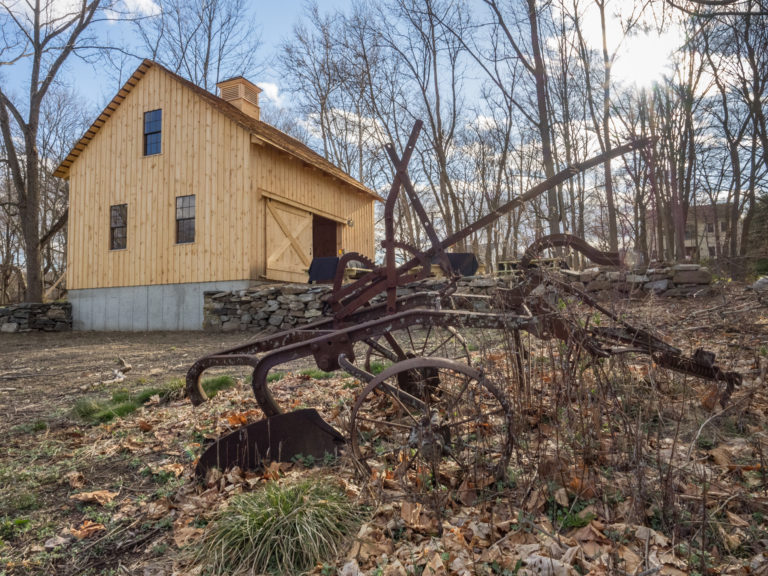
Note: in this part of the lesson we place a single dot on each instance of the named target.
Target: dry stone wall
(679, 280)
(55, 317)
(274, 307)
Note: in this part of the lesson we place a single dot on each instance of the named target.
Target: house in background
(174, 191)
(706, 232)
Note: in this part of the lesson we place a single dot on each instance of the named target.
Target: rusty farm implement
(432, 419)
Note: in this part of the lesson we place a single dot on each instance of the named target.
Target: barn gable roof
(262, 131)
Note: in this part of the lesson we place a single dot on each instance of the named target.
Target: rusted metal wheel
(425, 341)
(453, 437)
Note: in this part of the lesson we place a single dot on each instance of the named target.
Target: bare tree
(41, 36)
(205, 41)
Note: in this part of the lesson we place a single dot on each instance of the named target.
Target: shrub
(282, 529)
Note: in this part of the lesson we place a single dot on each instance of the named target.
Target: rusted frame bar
(356, 294)
(372, 329)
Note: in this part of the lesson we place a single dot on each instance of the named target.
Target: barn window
(153, 122)
(185, 219)
(118, 227)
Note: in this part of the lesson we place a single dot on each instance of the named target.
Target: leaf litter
(693, 500)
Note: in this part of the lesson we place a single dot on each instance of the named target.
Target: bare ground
(41, 372)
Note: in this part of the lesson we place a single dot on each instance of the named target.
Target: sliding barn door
(288, 242)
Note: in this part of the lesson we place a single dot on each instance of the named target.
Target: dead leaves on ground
(100, 497)
(473, 536)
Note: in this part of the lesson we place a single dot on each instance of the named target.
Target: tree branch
(55, 227)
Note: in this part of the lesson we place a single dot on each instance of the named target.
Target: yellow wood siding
(204, 153)
(280, 175)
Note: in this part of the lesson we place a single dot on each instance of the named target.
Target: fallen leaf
(87, 529)
(56, 542)
(632, 561)
(581, 488)
(101, 497)
(467, 492)
(186, 534)
(737, 520)
(172, 468)
(272, 471)
(420, 520)
(145, 426)
(709, 398)
(75, 479)
(721, 456)
(543, 566)
(158, 509)
(436, 566)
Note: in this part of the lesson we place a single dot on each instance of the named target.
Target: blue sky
(637, 63)
(272, 20)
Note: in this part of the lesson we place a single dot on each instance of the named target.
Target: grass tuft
(379, 367)
(214, 385)
(282, 529)
(124, 402)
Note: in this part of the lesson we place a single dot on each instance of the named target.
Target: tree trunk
(613, 234)
(540, 77)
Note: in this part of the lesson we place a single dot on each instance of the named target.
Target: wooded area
(510, 93)
(548, 100)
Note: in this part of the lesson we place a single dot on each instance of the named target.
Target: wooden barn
(174, 191)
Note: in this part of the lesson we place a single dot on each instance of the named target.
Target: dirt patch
(41, 374)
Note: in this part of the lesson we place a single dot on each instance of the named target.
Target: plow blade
(280, 438)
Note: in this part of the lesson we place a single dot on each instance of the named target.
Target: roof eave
(63, 169)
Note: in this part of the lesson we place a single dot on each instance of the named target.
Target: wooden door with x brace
(288, 242)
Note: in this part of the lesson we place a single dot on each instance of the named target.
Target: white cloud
(133, 8)
(55, 10)
(643, 55)
(644, 58)
(485, 122)
(142, 7)
(272, 92)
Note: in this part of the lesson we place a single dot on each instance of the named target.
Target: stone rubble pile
(54, 317)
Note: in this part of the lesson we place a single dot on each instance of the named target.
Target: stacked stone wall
(55, 317)
(274, 307)
(679, 280)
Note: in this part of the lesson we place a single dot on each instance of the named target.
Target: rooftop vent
(242, 94)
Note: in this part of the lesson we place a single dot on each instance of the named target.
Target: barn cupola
(242, 94)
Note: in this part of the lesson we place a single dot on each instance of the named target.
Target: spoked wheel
(454, 439)
(413, 341)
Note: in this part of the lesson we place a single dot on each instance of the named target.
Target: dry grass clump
(282, 529)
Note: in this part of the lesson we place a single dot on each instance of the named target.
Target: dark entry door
(324, 237)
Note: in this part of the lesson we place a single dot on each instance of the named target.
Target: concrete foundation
(144, 308)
